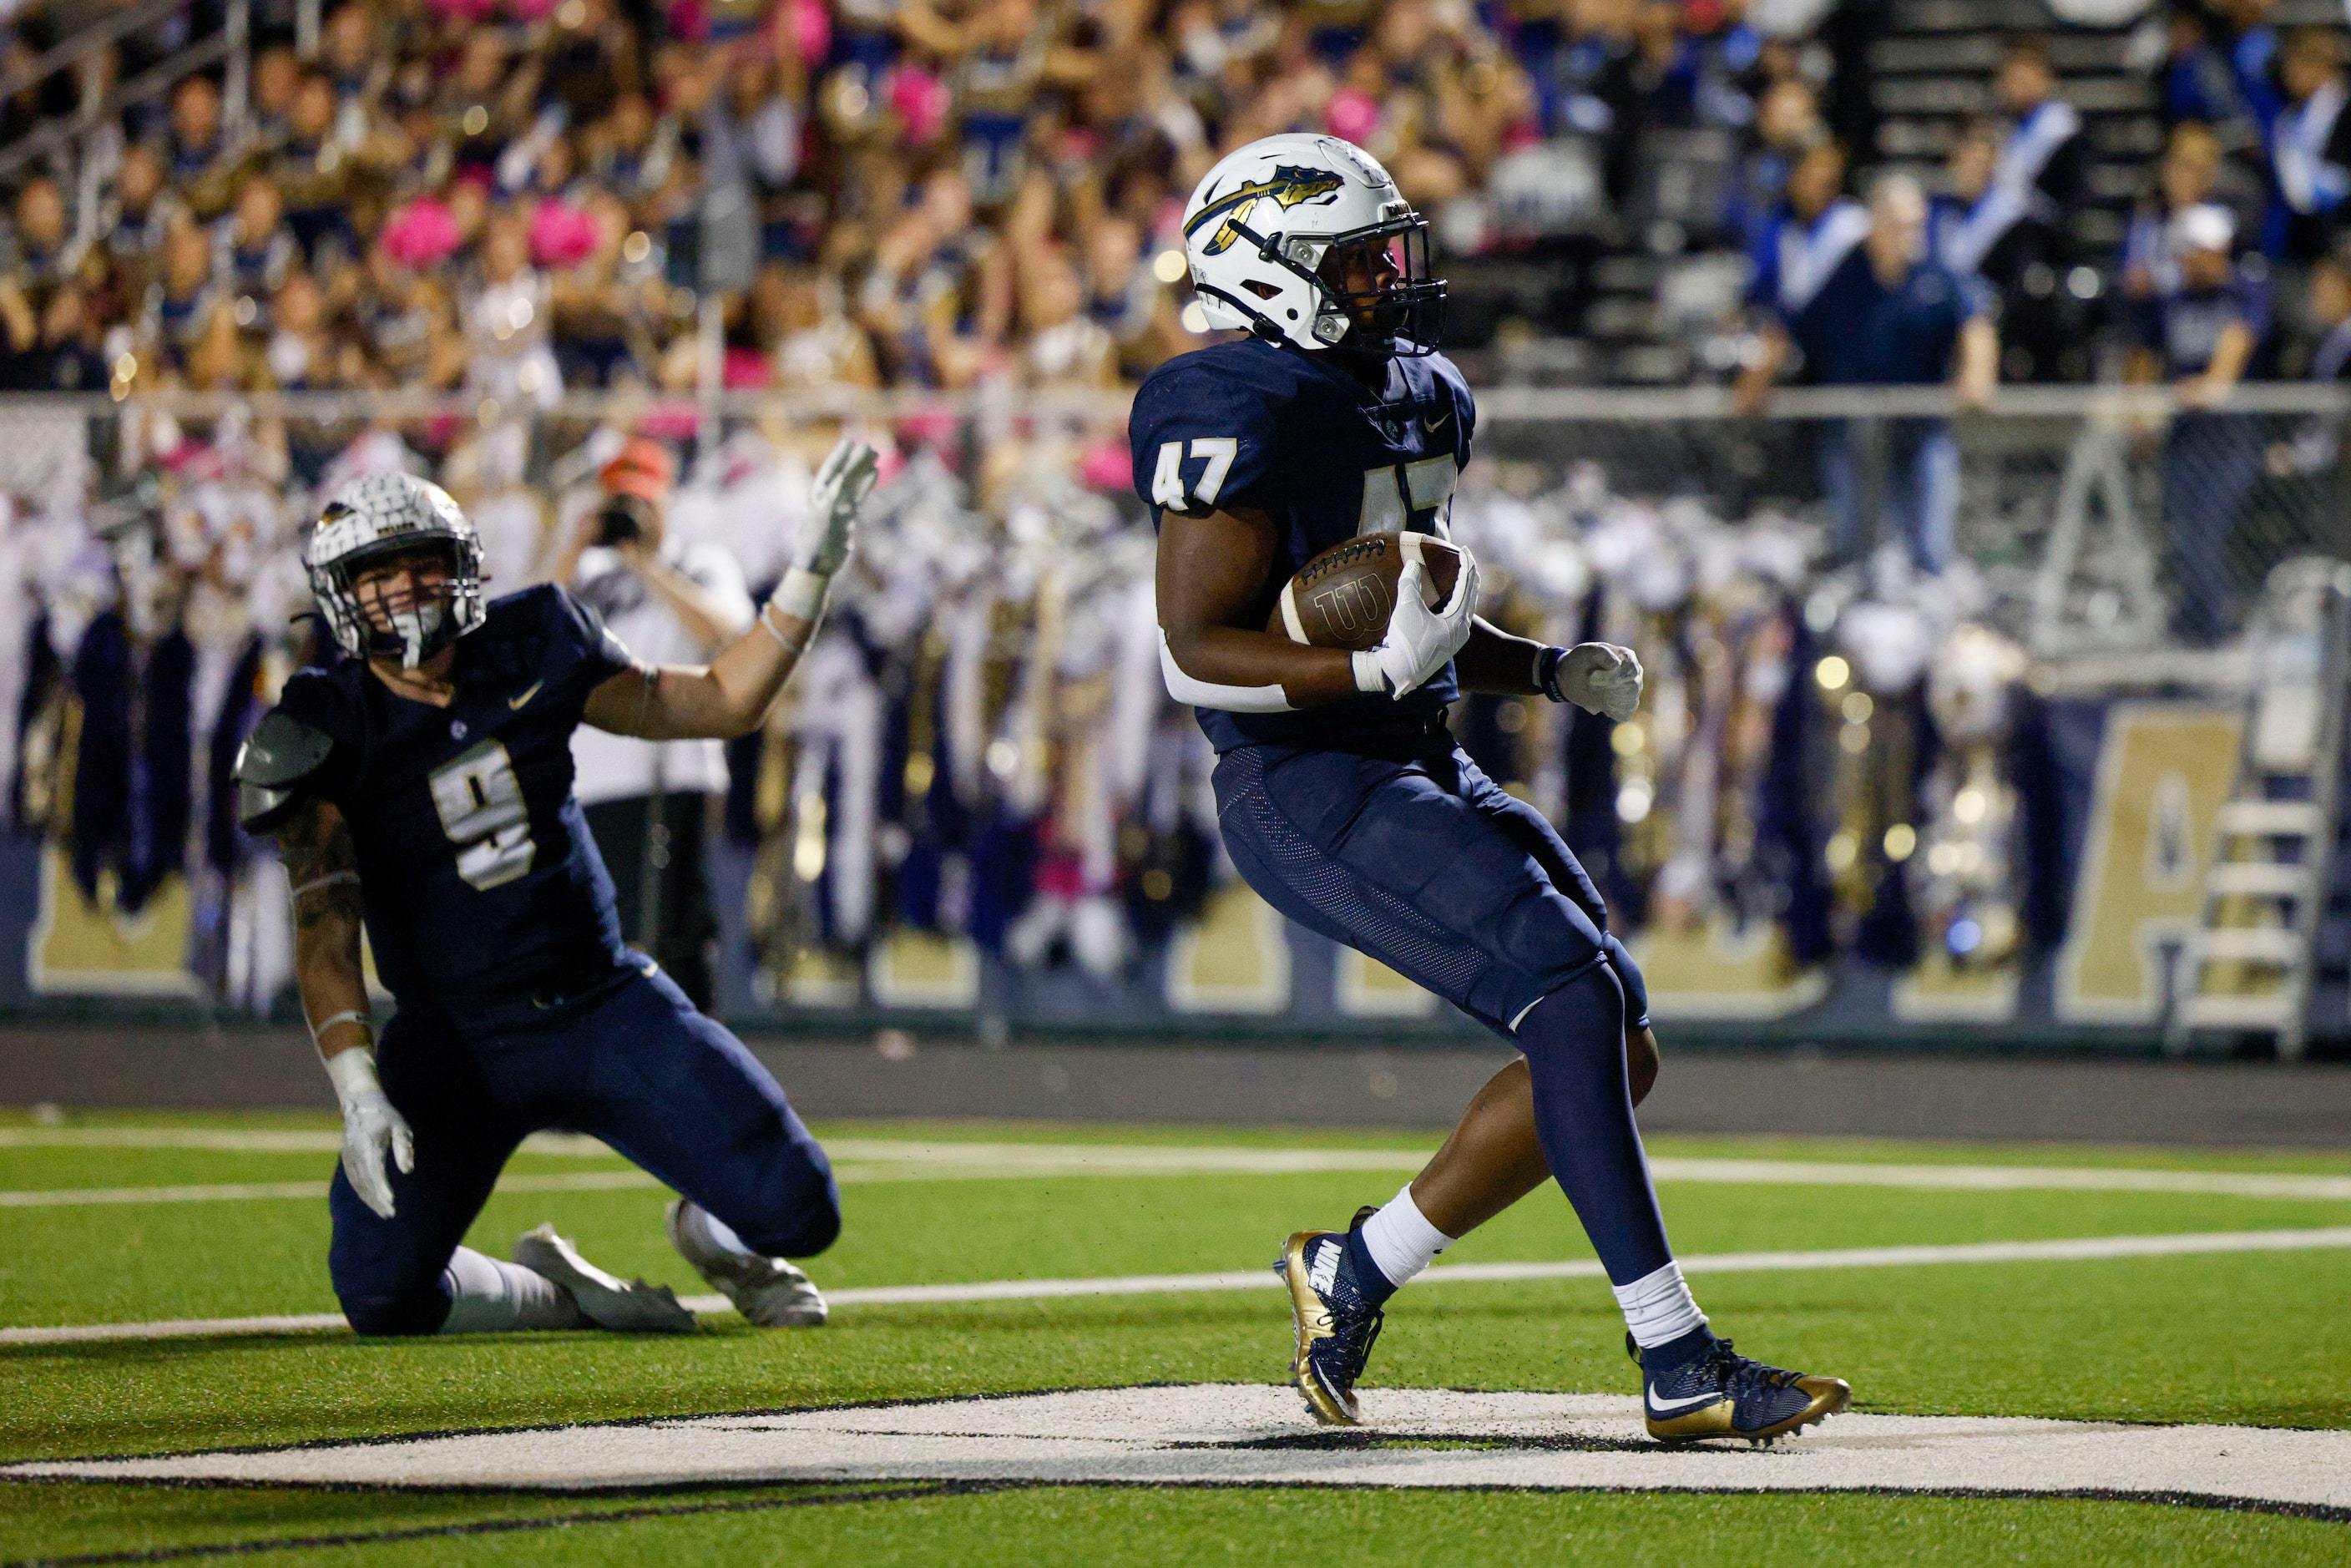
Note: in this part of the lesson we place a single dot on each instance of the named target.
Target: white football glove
(843, 482)
(1602, 678)
(1420, 641)
(370, 1128)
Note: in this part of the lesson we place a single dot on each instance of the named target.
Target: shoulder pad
(280, 753)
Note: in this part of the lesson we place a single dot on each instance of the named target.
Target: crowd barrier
(1865, 795)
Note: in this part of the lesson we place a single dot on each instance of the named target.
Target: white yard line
(863, 1160)
(2073, 1249)
(244, 1140)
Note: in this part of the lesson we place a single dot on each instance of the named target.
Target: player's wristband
(1367, 673)
(802, 593)
(1547, 664)
(353, 1073)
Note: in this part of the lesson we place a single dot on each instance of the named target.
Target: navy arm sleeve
(1202, 442)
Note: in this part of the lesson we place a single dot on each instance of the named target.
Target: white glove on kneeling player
(1598, 678)
(843, 482)
(1420, 641)
(370, 1127)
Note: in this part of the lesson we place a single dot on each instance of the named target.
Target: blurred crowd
(511, 200)
(513, 197)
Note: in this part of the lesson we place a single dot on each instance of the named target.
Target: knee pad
(1628, 975)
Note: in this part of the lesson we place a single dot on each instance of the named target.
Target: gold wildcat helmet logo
(1288, 184)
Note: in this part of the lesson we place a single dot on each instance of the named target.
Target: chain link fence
(978, 802)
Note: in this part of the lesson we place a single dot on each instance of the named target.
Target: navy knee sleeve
(1574, 1044)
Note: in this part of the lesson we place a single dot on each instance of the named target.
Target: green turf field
(229, 1228)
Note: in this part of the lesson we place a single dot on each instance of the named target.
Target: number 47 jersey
(1253, 425)
(481, 884)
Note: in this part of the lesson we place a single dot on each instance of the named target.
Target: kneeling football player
(421, 787)
(1342, 797)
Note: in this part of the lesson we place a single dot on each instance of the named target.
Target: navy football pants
(1428, 866)
(635, 1066)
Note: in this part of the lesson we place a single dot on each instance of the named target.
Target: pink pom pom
(1106, 466)
(920, 101)
(745, 370)
(422, 234)
(671, 422)
(928, 427)
(1351, 115)
(561, 235)
(810, 27)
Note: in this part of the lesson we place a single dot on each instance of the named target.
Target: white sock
(721, 1232)
(1658, 1308)
(1400, 1238)
(486, 1296)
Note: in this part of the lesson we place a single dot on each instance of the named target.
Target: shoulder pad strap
(280, 753)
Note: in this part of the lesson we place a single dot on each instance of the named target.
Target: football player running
(421, 788)
(1342, 797)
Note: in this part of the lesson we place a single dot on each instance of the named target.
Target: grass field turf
(2249, 1338)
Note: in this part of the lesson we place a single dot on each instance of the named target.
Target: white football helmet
(385, 514)
(1268, 235)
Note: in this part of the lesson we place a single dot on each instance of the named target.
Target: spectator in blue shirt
(2199, 336)
(1890, 314)
(2199, 84)
(2310, 147)
(1815, 228)
(2252, 51)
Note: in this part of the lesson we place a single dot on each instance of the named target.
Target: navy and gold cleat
(1721, 1394)
(1336, 1325)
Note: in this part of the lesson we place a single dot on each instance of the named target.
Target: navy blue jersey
(480, 881)
(1256, 426)
(1857, 332)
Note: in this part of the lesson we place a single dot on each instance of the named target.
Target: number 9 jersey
(481, 884)
(1255, 425)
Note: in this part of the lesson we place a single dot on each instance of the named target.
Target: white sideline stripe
(2073, 1250)
(241, 1191)
(244, 1140)
(862, 1160)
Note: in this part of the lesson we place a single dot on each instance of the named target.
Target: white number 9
(482, 811)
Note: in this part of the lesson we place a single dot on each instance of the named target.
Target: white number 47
(1167, 478)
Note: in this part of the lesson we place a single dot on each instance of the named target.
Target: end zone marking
(2073, 1250)
(1248, 1435)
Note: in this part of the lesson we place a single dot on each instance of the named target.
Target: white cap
(2205, 226)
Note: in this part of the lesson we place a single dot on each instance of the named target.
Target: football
(1342, 598)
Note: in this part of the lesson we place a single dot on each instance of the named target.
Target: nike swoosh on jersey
(517, 701)
(1667, 1406)
(1434, 425)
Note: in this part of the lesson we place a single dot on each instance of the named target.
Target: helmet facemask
(1381, 295)
(407, 622)
(1373, 287)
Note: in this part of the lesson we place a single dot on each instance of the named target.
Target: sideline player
(421, 787)
(1342, 797)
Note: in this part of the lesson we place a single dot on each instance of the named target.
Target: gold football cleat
(1335, 1327)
